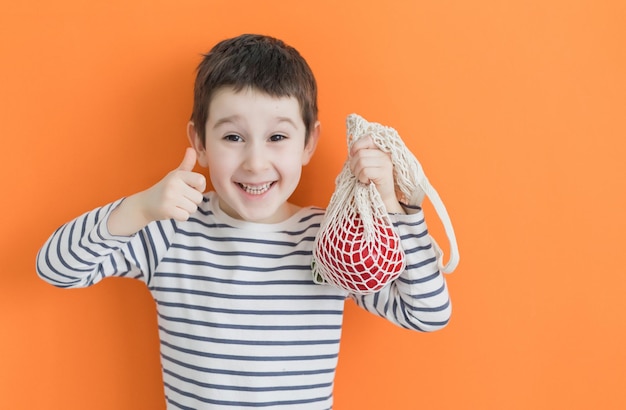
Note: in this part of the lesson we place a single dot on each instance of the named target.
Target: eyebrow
(226, 120)
(287, 120)
(233, 119)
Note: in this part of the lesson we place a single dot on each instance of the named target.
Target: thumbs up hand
(176, 196)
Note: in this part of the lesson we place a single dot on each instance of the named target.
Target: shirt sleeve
(418, 299)
(83, 252)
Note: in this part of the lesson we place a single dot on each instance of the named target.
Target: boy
(241, 322)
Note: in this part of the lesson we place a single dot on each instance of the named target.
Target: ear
(197, 144)
(311, 144)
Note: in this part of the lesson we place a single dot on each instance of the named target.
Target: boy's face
(254, 150)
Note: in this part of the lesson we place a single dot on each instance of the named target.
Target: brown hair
(256, 61)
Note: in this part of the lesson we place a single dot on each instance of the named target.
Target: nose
(256, 158)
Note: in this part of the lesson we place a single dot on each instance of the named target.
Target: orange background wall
(516, 110)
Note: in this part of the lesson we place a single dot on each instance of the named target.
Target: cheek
(219, 167)
(290, 161)
(295, 154)
(291, 171)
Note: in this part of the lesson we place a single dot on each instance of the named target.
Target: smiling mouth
(256, 189)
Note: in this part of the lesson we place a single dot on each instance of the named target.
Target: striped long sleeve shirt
(241, 322)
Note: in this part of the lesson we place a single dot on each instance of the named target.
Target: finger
(180, 214)
(365, 142)
(194, 195)
(369, 158)
(376, 169)
(368, 174)
(189, 161)
(360, 170)
(195, 180)
(187, 205)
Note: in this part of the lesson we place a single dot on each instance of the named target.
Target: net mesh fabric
(357, 248)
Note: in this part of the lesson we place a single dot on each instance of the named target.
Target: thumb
(189, 161)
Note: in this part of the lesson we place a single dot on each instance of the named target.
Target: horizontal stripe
(249, 297)
(201, 278)
(245, 342)
(252, 311)
(248, 326)
(248, 388)
(253, 374)
(183, 262)
(241, 253)
(199, 353)
(248, 404)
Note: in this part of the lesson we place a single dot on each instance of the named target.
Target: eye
(277, 137)
(232, 137)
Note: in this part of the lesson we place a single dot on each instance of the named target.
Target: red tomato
(357, 265)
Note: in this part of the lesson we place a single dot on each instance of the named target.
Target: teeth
(256, 189)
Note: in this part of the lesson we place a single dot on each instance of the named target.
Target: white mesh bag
(357, 247)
